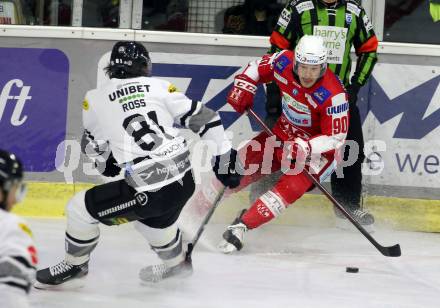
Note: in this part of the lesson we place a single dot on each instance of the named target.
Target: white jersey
(135, 119)
(17, 260)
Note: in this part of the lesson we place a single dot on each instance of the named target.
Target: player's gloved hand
(299, 150)
(228, 169)
(352, 91)
(109, 167)
(242, 94)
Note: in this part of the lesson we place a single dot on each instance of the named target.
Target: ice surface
(279, 267)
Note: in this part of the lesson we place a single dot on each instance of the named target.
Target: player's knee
(76, 208)
(288, 190)
(80, 224)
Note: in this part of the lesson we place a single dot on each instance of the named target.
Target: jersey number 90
(340, 125)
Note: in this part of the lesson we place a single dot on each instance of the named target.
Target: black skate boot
(159, 272)
(64, 274)
(233, 236)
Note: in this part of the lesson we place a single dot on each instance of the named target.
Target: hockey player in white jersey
(18, 256)
(130, 124)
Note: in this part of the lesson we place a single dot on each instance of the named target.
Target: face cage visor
(20, 192)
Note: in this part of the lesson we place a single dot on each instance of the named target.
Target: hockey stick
(205, 221)
(391, 251)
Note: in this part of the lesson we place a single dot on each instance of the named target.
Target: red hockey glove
(241, 96)
(300, 150)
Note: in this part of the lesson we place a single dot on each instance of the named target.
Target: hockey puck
(352, 269)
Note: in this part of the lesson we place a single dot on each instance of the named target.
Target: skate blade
(226, 247)
(72, 284)
(344, 224)
(147, 281)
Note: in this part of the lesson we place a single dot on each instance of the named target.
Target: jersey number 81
(142, 129)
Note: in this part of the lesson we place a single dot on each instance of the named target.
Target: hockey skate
(159, 272)
(364, 218)
(62, 275)
(233, 236)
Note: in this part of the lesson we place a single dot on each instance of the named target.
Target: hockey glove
(227, 168)
(109, 167)
(300, 150)
(242, 94)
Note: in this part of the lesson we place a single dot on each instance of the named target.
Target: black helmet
(129, 59)
(11, 172)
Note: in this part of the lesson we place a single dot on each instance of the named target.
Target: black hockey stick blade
(392, 251)
(189, 252)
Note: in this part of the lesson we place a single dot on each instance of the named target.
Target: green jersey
(342, 25)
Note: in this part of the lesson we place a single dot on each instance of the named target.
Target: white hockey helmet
(311, 50)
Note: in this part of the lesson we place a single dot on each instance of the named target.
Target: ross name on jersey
(131, 97)
(133, 103)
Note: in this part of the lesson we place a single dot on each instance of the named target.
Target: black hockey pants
(348, 190)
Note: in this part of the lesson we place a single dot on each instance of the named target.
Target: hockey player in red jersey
(312, 126)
